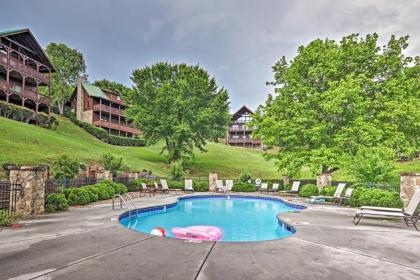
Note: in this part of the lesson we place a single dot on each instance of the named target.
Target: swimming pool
(241, 218)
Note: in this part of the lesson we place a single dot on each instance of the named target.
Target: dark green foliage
(120, 188)
(66, 192)
(113, 86)
(111, 163)
(308, 190)
(244, 187)
(78, 196)
(135, 184)
(102, 192)
(177, 170)
(173, 184)
(201, 186)
(65, 168)
(23, 114)
(328, 191)
(56, 202)
(104, 136)
(244, 178)
(108, 186)
(375, 197)
(4, 218)
(93, 195)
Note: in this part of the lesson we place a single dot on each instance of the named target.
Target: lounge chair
(144, 190)
(219, 186)
(229, 186)
(294, 190)
(165, 187)
(274, 188)
(264, 187)
(188, 185)
(336, 197)
(347, 195)
(409, 214)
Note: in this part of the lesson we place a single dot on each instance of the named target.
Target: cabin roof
(242, 111)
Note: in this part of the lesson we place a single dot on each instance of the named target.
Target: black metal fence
(56, 185)
(9, 193)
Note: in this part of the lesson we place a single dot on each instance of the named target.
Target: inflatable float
(206, 233)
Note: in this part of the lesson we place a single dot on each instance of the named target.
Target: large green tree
(179, 104)
(335, 98)
(70, 66)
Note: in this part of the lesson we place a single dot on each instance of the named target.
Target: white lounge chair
(294, 190)
(275, 187)
(165, 187)
(409, 214)
(188, 185)
(336, 197)
(219, 186)
(264, 187)
(229, 186)
(144, 190)
(347, 195)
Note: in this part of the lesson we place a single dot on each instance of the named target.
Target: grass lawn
(21, 143)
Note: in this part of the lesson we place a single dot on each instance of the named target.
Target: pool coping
(159, 207)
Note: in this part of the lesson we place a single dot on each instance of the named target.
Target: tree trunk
(61, 107)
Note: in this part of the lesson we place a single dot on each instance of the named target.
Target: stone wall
(286, 180)
(409, 182)
(86, 116)
(323, 180)
(104, 175)
(31, 200)
(212, 182)
(79, 100)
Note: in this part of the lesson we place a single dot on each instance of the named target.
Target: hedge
(79, 196)
(328, 191)
(22, 114)
(244, 187)
(56, 202)
(103, 135)
(308, 190)
(375, 197)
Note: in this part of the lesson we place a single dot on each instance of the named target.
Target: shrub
(56, 202)
(201, 186)
(375, 197)
(177, 170)
(108, 186)
(66, 192)
(4, 218)
(23, 114)
(111, 163)
(120, 188)
(104, 136)
(244, 178)
(93, 195)
(102, 192)
(172, 184)
(243, 187)
(308, 190)
(328, 191)
(79, 196)
(65, 168)
(134, 185)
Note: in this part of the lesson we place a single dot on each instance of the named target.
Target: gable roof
(25, 38)
(242, 111)
(94, 91)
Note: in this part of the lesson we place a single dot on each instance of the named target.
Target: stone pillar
(212, 182)
(104, 175)
(323, 180)
(286, 180)
(79, 99)
(31, 200)
(409, 182)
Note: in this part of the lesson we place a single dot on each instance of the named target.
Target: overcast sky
(236, 41)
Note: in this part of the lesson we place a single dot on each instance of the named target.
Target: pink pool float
(207, 233)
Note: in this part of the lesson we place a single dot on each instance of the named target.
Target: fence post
(323, 180)
(32, 180)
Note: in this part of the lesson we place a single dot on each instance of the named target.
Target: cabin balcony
(122, 127)
(108, 109)
(15, 88)
(243, 141)
(19, 66)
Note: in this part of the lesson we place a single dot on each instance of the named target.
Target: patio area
(89, 243)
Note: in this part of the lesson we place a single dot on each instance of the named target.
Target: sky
(237, 42)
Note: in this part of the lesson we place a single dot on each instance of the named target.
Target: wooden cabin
(102, 108)
(24, 69)
(239, 133)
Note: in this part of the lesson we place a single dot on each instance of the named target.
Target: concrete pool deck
(89, 243)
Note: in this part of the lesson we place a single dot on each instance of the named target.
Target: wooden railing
(243, 140)
(19, 66)
(109, 109)
(116, 126)
(27, 93)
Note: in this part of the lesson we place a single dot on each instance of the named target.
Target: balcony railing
(19, 66)
(243, 140)
(109, 109)
(116, 126)
(239, 128)
(27, 93)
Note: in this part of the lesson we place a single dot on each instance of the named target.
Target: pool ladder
(122, 200)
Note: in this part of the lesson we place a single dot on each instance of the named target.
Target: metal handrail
(122, 200)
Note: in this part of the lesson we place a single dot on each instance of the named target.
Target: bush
(308, 190)
(93, 195)
(4, 218)
(328, 191)
(375, 197)
(66, 192)
(177, 170)
(23, 114)
(172, 184)
(113, 164)
(135, 184)
(65, 168)
(243, 187)
(244, 178)
(201, 186)
(104, 136)
(56, 202)
(120, 188)
(102, 192)
(79, 196)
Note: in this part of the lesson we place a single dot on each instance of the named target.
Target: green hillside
(21, 143)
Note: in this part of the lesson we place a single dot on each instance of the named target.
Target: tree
(335, 98)
(66, 168)
(70, 66)
(179, 104)
(111, 163)
(113, 86)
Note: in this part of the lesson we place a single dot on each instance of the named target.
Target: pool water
(241, 219)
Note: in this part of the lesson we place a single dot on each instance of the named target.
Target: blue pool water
(241, 219)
